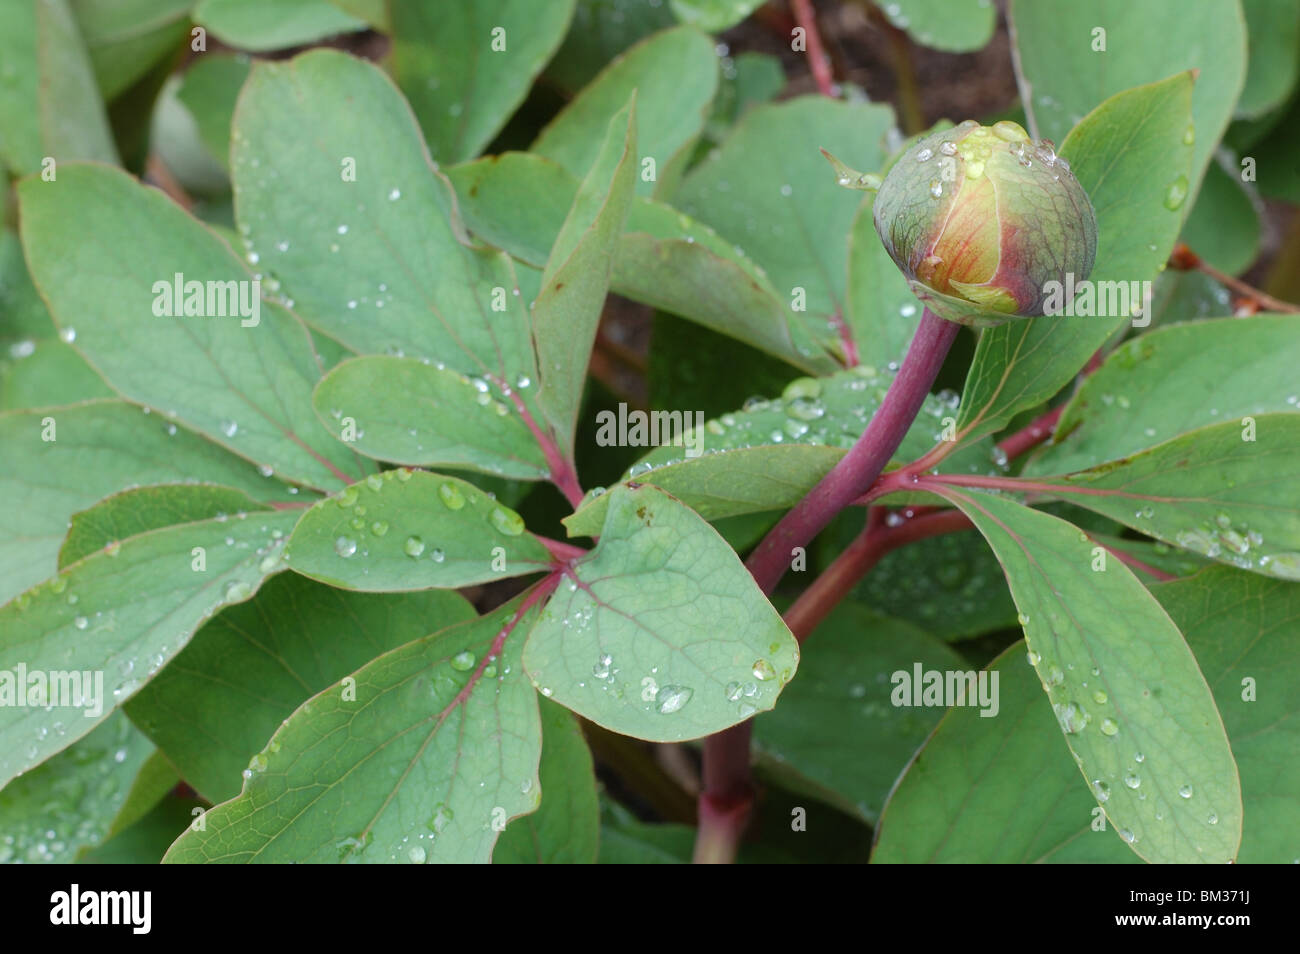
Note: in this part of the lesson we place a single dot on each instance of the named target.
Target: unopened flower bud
(980, 219)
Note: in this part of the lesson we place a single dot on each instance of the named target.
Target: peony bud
(980, 220)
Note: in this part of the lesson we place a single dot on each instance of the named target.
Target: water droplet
(463, 661)
(451, 496)
(936, 188)
(379, 527)
(507, 521)
(1132, 781)
(1213, 819)
(436, 555)
(1185, 791)
(1176, 193)
(81, 622)
(417, 854)
(1099, 697)
(1108, 727)
(68, 335)
(414, 546)
(229, 428)
(733, 692)
(237, 591)
(1101, 789)
(670, 699)
(925, 154)
(345, 547)
(763, 670)
(1127, 835)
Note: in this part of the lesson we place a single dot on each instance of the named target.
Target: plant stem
(1185, 259)
(878, 539)
(859, 468)
(1026, 439)
(806, 17)
(727, 797)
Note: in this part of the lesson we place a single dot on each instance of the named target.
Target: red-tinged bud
(981, 220)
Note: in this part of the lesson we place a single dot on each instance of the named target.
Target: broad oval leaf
(113, 619)
(100, 447)
(412, 530)
(247, 670)
(675, 75)
(660, 632)
(1127, 693)
(466, 65)
(124, 270)
(404, 761)
(408, 411)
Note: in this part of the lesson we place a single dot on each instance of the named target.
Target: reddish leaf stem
(727, 797)
(806, 17)
(1027, 438)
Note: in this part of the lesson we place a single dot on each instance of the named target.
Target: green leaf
(1243, 627)
(379, 263)
(675, 75)
(768, 456)
(1223, 227)
(518, 202)
(955, 27)
(466, 65)
(1229, 491)
(209, 90)
(100, 447)
(713, 16)
(261, 25)
(1000, 790)
(787, 211)
(1021, 364)
(23, 313)
(49, 103)
(145, 842)
(660, 632)
(409, 412)
(127, 38)
(142, 509)
(1065, 77)
(949, 585)
(881, 311)
(151, 784)
(104, 251)
(600, 31)
(1273, 38)
(626, 841)
(576, 280)
(216, 704)
(1122, 683)
(845, 681)
(68, 804)
(407, 760)
(1007, 792)
(121, 614)
(45, 373)
(412, 530)
(1152, 388)
(565, 829)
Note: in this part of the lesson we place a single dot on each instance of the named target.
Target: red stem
(859, 468)
(806, 17)
(838, 579)
(727, 796)
(1028, 438)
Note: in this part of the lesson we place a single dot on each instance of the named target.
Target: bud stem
(859, 468)
(727, 794)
